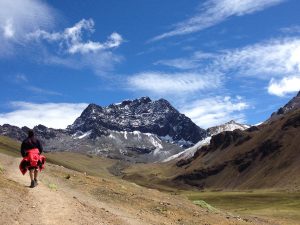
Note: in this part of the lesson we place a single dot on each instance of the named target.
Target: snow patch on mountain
(229, 126)
(189, 152)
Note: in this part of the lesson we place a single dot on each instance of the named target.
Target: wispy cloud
(213, 12)
(19, 17)
(101, 63)
(42, 91)
(71, 40)
(284, 86)
(72, 48)
(272, 59)
(21, 78)
(192, 62)
(294, 29)
(24, 30)
(55, 115)
(23, 81)
(174, 83)
(214, 111)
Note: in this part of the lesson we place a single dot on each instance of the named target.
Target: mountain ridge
(139, 130)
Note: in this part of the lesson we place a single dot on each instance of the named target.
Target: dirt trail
(91, 200)
(45, 205)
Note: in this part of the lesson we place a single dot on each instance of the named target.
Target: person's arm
(40, 147)
(23, 153)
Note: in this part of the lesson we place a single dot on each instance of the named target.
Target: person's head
(30, 133)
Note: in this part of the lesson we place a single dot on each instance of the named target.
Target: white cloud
(25, 83)
(271, 58)
(20, 78)
(73, 49)
(71, 40)
(214, 111)
(284, 86)
(180, 63)
(101, 63)
(54, 115)
(42, 91)
(213, 12)
(294, 29)
(22, 21)
(20, 17)
(188, 63)
(175, 84)
(276, 57)
(8, 30)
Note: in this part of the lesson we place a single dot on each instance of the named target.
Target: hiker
(31, 150)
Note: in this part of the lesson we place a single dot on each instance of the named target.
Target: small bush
(52, 186)
(205, 205)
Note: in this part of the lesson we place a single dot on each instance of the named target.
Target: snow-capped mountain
(229, 126)
(138, 130)
(144, 115)
(189, 152)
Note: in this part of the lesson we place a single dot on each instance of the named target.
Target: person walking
(31, 148)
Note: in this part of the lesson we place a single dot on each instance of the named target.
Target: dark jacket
(30, 143)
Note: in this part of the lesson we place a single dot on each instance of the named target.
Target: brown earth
(64, 196)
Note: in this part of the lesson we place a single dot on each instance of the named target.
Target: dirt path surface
(46, 205)
(68, 197)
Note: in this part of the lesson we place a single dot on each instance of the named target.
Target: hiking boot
(35, 182)
(32, 185)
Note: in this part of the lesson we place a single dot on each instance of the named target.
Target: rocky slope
(189, 152)
(144, 115)
(293, 104)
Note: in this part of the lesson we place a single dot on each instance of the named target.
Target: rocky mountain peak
(231, 122)
(293, 104)
(229, 126)
(144, 115)
(13, 132)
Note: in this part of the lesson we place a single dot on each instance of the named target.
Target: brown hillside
(263, 157)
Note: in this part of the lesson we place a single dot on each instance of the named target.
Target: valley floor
(64, 196)
(280, 206)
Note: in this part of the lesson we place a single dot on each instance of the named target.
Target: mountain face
(229, 126)
(212, 131)
(13, 132)
(293, 104)
(140, 130)
(144, 115)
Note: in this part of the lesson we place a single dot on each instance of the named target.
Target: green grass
(1, 169)
(205, 205)
(52, 186)
(91, 165)
(275, 205)
(9, 146)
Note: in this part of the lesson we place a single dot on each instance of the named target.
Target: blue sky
(214, 60)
